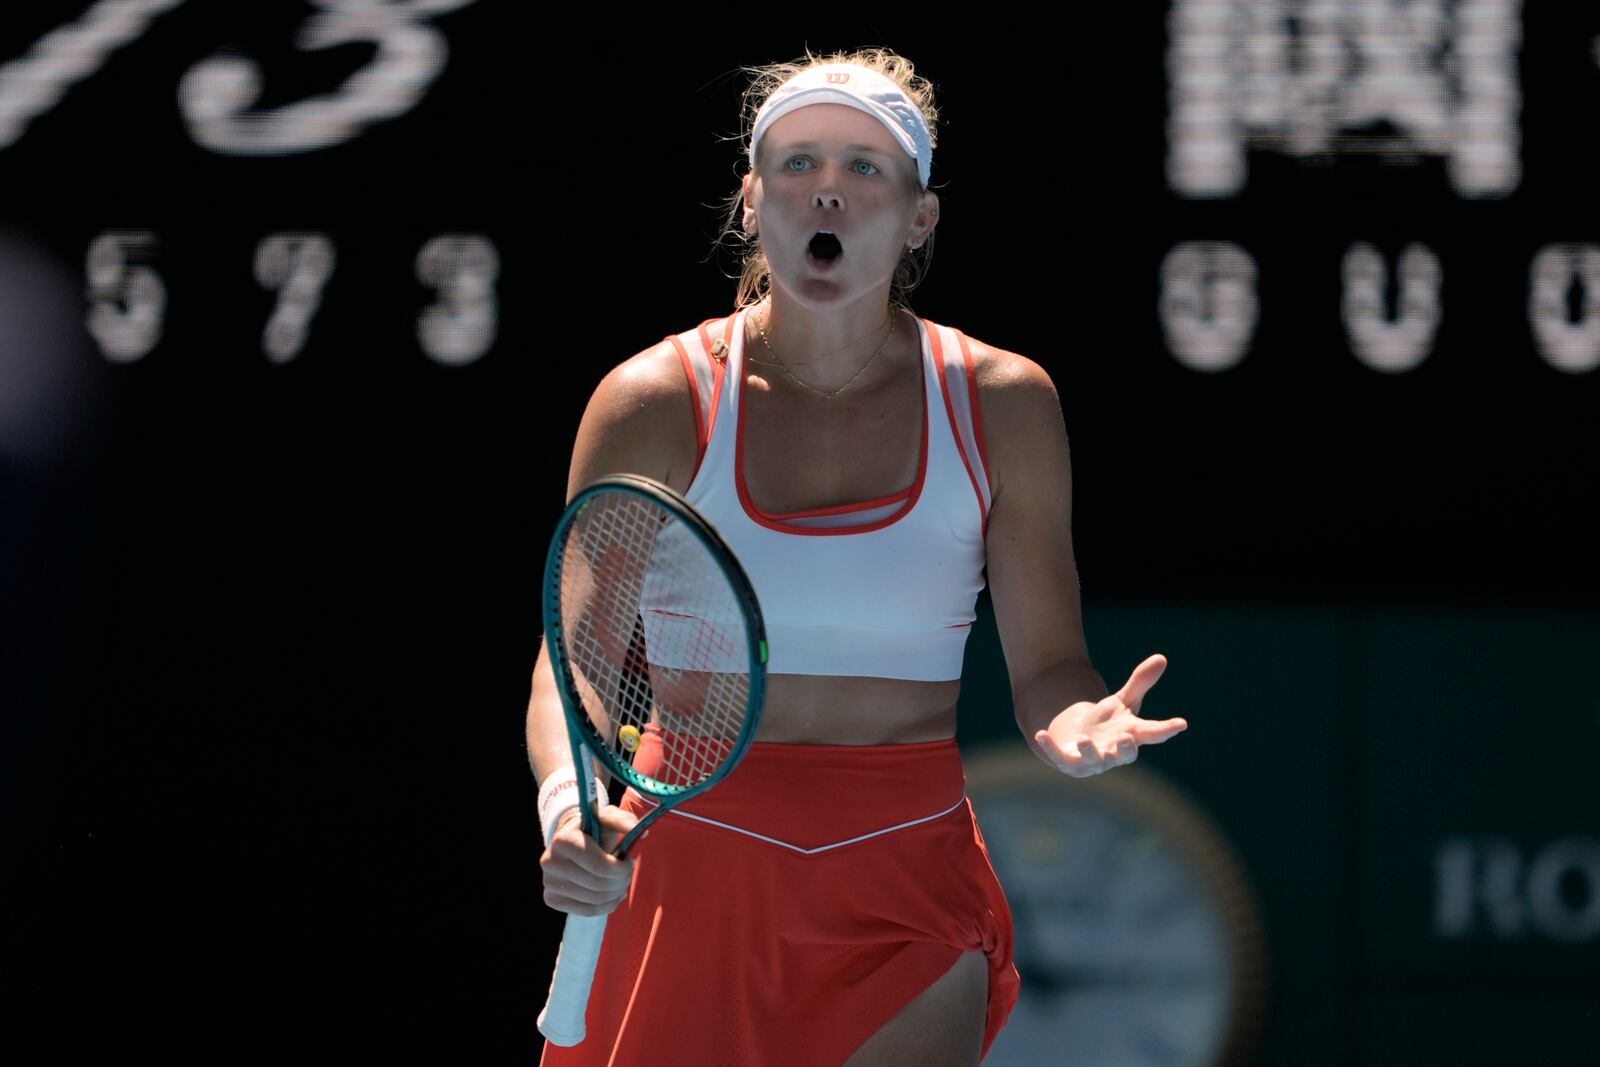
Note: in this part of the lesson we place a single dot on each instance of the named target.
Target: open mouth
(825, 247)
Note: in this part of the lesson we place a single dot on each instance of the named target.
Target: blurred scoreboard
(300, 303)
(1318, 280)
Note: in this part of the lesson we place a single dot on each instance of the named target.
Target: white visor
(857, 87)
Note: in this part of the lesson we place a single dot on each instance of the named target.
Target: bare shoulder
(645, 381)
(1008, 377)
(1021, 412)
(639, 420)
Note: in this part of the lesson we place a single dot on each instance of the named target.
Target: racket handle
(561, 1022)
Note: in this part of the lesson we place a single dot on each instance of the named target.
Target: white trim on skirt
(797, 848)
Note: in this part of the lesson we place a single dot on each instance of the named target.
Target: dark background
(267, 628)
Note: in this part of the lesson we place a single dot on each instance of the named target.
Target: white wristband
(558, 794)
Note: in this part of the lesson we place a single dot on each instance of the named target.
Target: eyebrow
(796, 145)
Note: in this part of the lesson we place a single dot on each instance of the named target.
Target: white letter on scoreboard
(1403, 342)
(1317, 77)
(1566, 343)
(1208, 303)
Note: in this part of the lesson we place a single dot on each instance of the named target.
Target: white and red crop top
(886, 588)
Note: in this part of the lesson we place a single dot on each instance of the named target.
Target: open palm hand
(1094, 736)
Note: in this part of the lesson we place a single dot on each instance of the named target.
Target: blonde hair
(755, 276)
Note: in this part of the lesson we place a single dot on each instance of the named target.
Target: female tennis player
(832, 902)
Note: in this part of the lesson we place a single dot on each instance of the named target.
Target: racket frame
(581, 730)
(563, 1019)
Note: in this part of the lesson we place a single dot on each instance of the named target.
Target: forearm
(549, 748)
(1045, 695)
(550, 751)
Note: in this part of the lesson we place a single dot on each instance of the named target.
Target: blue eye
(867, 163)
(788, 163)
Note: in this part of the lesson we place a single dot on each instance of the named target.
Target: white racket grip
(562, 1021)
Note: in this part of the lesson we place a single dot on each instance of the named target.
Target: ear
(927, 218)
(749, 218)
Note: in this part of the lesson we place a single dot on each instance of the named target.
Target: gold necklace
(807, 363)
(811, 388)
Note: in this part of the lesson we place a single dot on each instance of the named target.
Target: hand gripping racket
(651, 626)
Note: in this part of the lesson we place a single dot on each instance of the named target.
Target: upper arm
(640, 420)
(1033, 577)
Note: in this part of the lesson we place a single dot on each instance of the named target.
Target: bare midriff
(807, 709)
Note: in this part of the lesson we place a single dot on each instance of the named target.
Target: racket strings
(654, 634)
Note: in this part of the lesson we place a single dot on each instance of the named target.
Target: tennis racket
(652, 626)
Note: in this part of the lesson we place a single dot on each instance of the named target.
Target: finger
(564, 872)
(1153, 733)
(586, 853)
(605, 864)
(1093, 759)
(573, 817)
(1143, 677)
(1062, 759)
(1123, 752)
(610, 839)
(581, 885)
(604, 898)
(576, 906)
(1048, 746)
(614, 829)
(617, 817)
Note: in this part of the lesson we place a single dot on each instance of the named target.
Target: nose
(829, 191)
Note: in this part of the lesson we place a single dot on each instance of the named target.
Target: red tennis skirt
(788, 913)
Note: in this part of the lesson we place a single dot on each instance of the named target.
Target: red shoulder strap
(704, 354)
